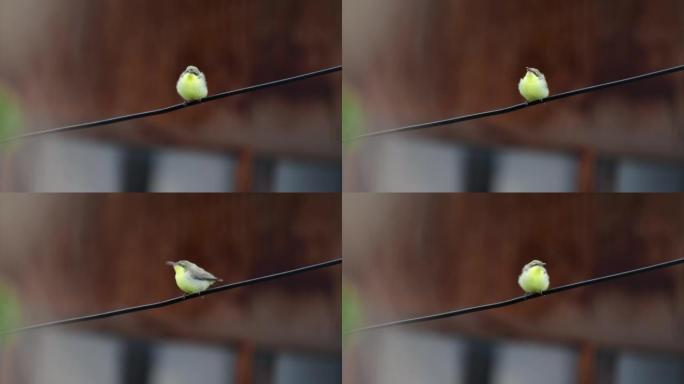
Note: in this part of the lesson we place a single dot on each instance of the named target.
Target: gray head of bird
(535, 72)
(183, 263)
(533, 263)
(192, 69)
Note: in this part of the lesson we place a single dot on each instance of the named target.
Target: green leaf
(11, 120)
(352, 313)
(10, 313)
(352, 114)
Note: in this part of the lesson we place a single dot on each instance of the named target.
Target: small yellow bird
(533, 85)
(190, 278)
(534, 278)
(192, 85)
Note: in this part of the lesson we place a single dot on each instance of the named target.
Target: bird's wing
(200, 274)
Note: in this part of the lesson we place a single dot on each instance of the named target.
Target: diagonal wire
(516, 107)
(484, 307)
(175, 300)
(175, 107)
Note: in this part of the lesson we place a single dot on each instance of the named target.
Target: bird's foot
(191, 102)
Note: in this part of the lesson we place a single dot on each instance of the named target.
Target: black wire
(463, 311)
(512, 108)
(174, 107)
(178, 299)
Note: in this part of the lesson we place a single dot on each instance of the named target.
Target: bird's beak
(171, 263)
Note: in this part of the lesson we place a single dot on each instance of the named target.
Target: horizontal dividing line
(519, 299)
(500, 111)
(175, 107)
(175, 300)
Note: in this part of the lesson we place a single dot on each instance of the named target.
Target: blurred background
(411, 255)
(72, 61)
(410, 62)
(69, 255)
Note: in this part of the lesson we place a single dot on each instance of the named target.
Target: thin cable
(178, 299)
(484, 307)
(512, 108)
(171, 108)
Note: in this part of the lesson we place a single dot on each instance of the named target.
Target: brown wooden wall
(74, 61)
(415, 61)
(417, 254)
(70, 255)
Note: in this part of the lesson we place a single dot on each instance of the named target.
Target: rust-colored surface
(243, 173)
(586, 364)
(586, 174)
(244, 372)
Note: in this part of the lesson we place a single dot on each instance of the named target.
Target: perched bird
(192, 85)
(190, 278)
(533, 85)
(534, 278)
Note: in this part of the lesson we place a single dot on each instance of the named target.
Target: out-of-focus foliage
(10, 314)
(11, 119)
(352, 114)
(352, 313)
